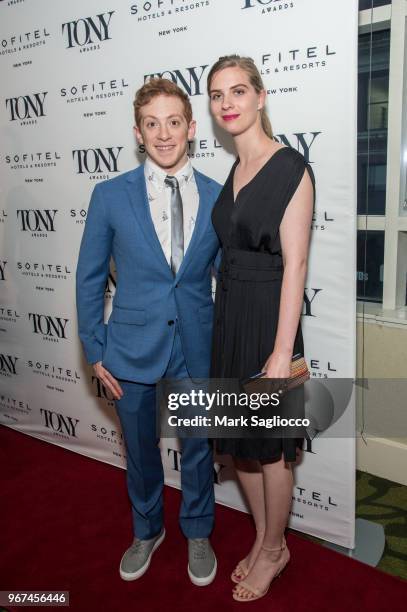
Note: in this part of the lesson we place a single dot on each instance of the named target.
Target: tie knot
(172, 182)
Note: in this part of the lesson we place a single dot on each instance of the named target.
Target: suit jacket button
(171, 322)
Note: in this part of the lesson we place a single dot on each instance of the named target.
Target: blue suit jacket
(137, 341)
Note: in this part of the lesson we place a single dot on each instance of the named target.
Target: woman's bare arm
(295, 231)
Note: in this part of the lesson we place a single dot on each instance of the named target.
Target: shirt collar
(156, 176)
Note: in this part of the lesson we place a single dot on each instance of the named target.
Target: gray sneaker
(136, 559)
(202, 562)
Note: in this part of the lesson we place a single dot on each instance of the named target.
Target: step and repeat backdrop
(69, 71)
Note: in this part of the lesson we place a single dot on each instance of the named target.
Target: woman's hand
(278, 365)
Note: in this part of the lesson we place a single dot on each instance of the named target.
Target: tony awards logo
(88, 32)
(50, 328)
(97, 163)
(59, 423)
(38, 222)
(28, 109)
(267, 6)
(189, 79)
(302, 141)
(8, 365)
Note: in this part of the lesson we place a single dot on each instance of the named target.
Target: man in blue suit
(155, 221)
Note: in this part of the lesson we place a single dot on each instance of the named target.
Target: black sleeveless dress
(249, 285)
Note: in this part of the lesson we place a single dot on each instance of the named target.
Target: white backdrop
(69, 72)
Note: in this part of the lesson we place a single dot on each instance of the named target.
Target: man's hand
(108, 380)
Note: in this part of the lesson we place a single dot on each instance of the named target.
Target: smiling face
(234, 102)
(164, 132)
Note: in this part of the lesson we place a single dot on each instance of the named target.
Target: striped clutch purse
(299, 373)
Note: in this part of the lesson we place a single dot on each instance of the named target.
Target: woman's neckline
(255, 176)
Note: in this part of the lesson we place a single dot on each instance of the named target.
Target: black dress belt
(249, 266)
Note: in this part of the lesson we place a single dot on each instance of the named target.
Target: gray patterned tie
(177, 225)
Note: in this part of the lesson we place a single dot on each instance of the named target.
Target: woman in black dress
(263, 219)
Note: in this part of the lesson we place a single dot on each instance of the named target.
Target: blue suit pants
(145, 477)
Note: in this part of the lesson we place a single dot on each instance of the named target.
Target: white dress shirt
(159, 197)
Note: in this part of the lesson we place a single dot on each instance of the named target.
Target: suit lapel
(137, 191)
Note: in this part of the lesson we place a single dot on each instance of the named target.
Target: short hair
(160, 87)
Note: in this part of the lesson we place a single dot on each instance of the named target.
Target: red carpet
(65, 522)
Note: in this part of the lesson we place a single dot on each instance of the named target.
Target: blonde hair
(248, 65)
